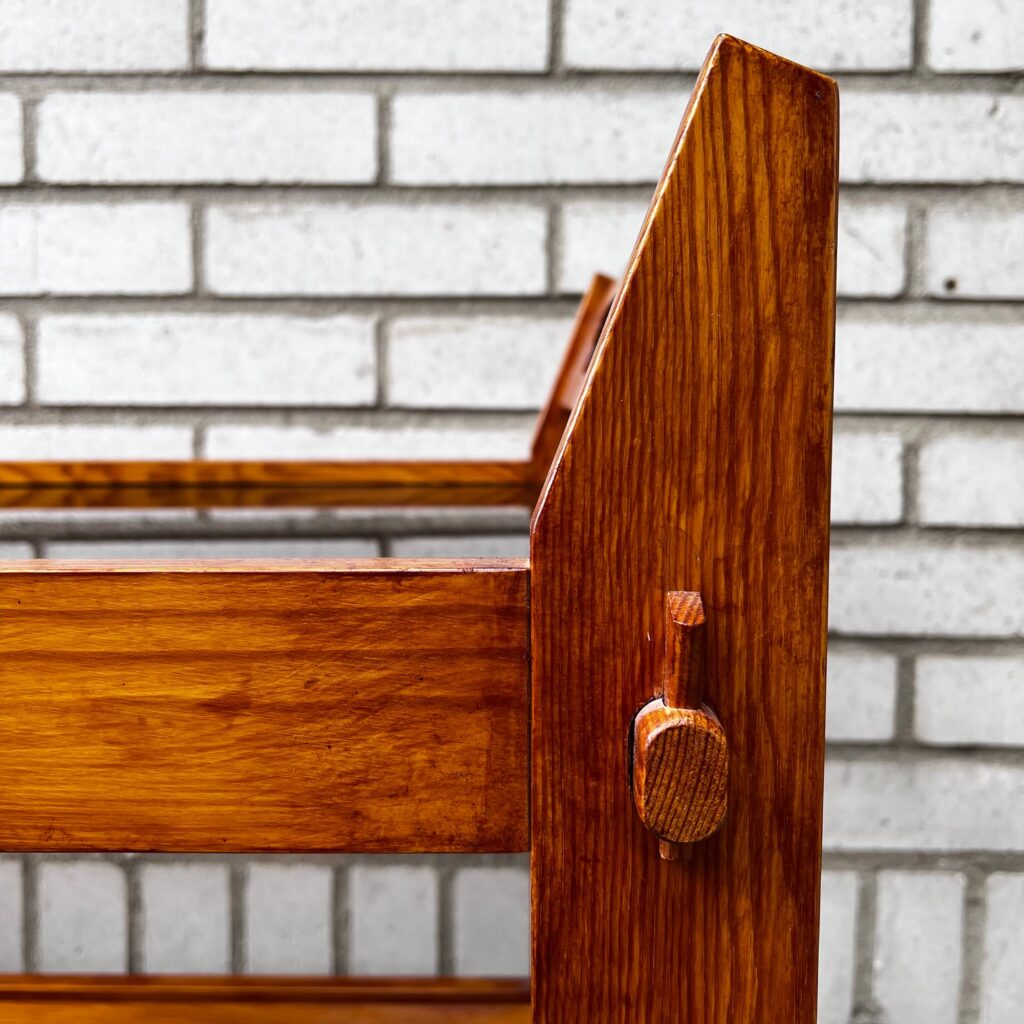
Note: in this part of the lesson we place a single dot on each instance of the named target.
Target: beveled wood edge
(235, 989)
(338, 566)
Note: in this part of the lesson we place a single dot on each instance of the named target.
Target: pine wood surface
(52, 999)
(697, 459)
(373, 705)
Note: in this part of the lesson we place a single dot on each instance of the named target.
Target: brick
(937, 366)
(975, 252)
(969, 137)
(495, 545)
(836, 949)
(289, 910)
(861, 697)
(923, 804)
(905, 589)
(192, 359)
(407, 441)
(984, 35)
(867, 478)
(473, 362)
(95, 249)
(12, 549)
(919, 932)
(12, 361)
(492, 922)
(534, 137)
(227, 548)
(11, 958)
(364, 35)
(80, 442)
(245, 138)
(94, 35)
(972, 480)
(187, 919)
(376, 249)
(1002, 980)
(963, 701)
(872, 250)
(83, 917)
(393, 915)
(597, 237)
(12, 162)
(675, 34)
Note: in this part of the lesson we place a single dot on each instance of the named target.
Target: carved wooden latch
(680, 756)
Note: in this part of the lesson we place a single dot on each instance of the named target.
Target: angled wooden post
(697, 460)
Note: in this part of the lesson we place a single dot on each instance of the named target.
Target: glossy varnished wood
(372, 705)
(697, 460)
(140, 1000)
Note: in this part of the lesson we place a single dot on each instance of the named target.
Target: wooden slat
(142, 1000)
(586, 328)
(371, 705)
(697, 460)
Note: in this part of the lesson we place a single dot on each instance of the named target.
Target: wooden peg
(680, 753)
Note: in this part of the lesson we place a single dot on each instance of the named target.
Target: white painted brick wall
(186, 913)
(492, 922)
(973, 480)
(918, 946)
(861, 697)
(987, 35)
(12, 361)
(11, 910)
(671, 34)
(206, 360)
(348, 229)
(95, 249)
(837, 948)
(393, 920)
(376, 249)
(83, 917)
(365, 35)
(93, 35)
(1002, 990)
(964, 701)
(249, 138)
(288, 919)
(934, 365)
(473, 362)
(495, 138)
(975, 252)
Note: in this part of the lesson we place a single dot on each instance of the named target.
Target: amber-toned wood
(374, 705)
(159, 1000)
(680, 756)
(586, 328)
(698, 459)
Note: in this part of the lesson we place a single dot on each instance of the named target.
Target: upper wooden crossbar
(376, 705)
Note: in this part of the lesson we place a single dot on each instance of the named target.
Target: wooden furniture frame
(488, 704)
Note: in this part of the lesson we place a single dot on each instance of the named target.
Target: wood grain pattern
(698, 459)
(554, 417)
(162, 1000)
(374, 705)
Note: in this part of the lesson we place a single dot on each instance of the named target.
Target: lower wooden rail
(50, 999)
(371, 705)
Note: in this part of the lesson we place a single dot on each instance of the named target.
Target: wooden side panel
(370, 705)
(697, 460)
(76, 1000)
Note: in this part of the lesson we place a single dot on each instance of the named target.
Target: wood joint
(680, 755)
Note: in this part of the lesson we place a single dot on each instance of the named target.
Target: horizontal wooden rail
(158, 1000)
(361, 705)
(266, 484)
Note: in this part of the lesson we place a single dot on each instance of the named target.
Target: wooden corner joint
(680, 756)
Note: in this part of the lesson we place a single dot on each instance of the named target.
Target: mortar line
(865, 1009)
(341, 964)
(30, 912)
(197, 36)
(972, 946)
(135, 910)
(238, 887)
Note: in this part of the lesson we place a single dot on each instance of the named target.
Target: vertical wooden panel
(697, 460)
